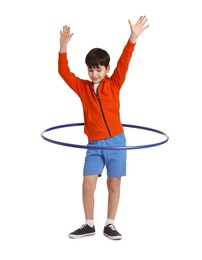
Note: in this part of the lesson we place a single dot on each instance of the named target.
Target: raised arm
(137, 28)
(65, 37)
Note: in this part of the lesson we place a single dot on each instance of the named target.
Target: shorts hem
(90, 174)
(118, 176)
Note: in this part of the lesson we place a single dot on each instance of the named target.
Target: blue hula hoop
(105, 147)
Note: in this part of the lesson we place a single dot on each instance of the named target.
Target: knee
(113, 184)
(88, 186)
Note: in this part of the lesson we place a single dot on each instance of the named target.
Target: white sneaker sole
(80, 236)
(113, 237)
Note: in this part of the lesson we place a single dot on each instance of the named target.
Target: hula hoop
(105, 147)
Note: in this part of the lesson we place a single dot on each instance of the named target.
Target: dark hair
(97, 57)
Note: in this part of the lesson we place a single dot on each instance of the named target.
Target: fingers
(66, 30)
(129, 21)
(142, 21)
(70, 36)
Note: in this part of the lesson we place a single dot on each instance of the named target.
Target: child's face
(97, 74)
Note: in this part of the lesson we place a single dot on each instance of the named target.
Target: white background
(40, 185)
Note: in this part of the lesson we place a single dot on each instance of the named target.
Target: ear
(108, 68)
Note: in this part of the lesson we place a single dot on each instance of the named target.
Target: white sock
(90, 222)
(109, 221)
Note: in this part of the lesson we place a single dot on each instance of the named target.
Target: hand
(137, 28)
(65, 35)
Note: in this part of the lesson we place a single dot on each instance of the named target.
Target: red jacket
(101, 111)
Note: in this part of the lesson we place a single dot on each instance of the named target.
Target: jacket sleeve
(119, 74)
(75, 83)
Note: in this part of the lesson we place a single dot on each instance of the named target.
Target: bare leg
(89, 185)
(113, 185)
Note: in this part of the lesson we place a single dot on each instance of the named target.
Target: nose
(94, 74)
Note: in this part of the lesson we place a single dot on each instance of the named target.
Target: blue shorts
(114, 160)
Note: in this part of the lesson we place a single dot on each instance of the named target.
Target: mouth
(95, 80)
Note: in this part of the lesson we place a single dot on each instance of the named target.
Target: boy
(102, 125)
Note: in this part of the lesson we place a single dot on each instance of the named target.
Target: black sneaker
(111, 232)
(84, 230)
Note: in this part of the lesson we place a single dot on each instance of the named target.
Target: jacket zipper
(103, 115)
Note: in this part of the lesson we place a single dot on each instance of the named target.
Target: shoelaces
(83, 226)
(112, 227)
